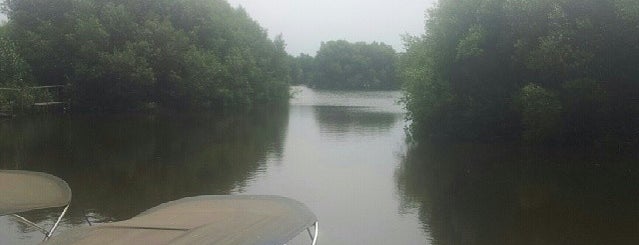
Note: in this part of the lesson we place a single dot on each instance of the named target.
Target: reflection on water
(344, 155)
(479, 194)
(379, 101)
(340, 120)
(335, 151)
(340, 155)
(119, 166)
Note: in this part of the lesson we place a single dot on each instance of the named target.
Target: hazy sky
(306, 23)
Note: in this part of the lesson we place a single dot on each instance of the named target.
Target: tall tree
(121, 55)
(485, 70)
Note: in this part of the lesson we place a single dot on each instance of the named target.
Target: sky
(304, 24)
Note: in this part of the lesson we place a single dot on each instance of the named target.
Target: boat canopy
(22, 191)
(241, 220)
(238, 220)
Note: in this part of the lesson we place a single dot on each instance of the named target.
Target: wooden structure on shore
(55, 101)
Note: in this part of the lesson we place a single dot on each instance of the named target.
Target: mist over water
(306, 23)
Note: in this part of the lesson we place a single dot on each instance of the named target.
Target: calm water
(344, 155)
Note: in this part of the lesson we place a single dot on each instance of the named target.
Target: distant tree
(344, 65)
(302, 69)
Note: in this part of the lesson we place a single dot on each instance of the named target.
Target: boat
(22, 191)
(216, 219)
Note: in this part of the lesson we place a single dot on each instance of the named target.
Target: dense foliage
(14, 76)
(302, 69)
(13, 69)
(542, 70)
(121, 55)
(344, 65)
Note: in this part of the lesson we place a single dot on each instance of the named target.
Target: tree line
(345, 65)
(130, 55)
(137, 55)
(541, 71)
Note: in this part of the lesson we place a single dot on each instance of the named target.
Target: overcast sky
(306, 23)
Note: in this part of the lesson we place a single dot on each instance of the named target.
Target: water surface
(344, 154)
(335, 151)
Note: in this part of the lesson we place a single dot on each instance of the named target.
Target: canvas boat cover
(22, 191)
(240, 220)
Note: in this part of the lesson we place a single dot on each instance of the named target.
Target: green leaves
(344, 65)
(125, 55)
(14, 74)
(541, 113)
(14, 71)
(469, 76)
(471, 44)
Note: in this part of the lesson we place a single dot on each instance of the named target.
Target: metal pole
(48, 235)
(28, 222)
(316, 233)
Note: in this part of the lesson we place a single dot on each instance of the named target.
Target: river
(345, 155)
